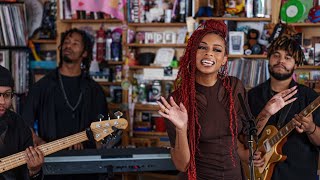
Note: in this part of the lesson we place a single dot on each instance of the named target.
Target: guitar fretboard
(284, 131)
(18, 159)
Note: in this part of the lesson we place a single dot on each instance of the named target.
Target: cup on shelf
(167, 16)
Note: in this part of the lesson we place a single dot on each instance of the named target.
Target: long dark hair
(185, 88)
(87, 41)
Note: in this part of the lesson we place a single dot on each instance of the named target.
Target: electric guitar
(270, 145)
(100, 130)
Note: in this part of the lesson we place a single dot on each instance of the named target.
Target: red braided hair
(185, 87)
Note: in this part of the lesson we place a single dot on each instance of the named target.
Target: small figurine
(235, 7)
(314, 14)
(252, 46)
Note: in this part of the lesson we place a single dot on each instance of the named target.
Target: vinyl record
(292, 11)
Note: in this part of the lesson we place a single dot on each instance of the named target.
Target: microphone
(252, 125)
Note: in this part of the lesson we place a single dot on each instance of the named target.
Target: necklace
(73, 108)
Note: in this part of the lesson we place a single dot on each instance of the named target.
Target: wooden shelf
(305, 24)
(91, 21)
(157, 24)
(143, 67)
(308, 67)
(234, 19)
(15, 47)
(113, 106)
(105, 83)
(149, 133)
(9, 2)
(44, 41)
(157, 45)
(254, 56)
(110, 62)
(146, 107)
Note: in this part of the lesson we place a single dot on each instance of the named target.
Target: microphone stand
(252, 135)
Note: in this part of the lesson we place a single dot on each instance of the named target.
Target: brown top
(214, 160)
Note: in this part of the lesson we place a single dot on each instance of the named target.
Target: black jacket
(40, 105)
(16, 138)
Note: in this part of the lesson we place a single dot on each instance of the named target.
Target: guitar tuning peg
(118, 114)
(100, 117)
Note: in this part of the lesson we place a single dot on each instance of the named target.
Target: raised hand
(280, 100)
(178, 115)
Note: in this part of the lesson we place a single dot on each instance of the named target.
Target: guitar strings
(18, 159)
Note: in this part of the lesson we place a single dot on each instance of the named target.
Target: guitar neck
(18, 159)
(284, 131)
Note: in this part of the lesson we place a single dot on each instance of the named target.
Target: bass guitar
(270, 145)
(100, 130)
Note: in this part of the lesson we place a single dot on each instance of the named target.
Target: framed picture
(236, 42)
(316, 45)
(317, 54)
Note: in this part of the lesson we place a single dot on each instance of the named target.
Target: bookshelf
(111, 69)
(13, 47)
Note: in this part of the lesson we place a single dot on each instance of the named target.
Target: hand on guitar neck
(97, 131)
(34, 159)
(304, 124)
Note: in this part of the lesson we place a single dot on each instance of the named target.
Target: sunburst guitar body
(270, 145)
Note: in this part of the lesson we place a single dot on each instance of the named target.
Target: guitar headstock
(102, 129)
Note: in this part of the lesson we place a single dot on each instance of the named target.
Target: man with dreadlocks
(301, 147)
(66, 100)
(204, 115)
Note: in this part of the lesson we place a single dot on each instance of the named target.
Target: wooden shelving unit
(157, 45)
(142, 67)
(253, 56)
(305, 24)
(106, 83)
(146, 107)
(44, 41)
(150, 133)
(110, 62)
(235, 19)
(309, 67)
(156, 24)
(113, 106)
(91, 21)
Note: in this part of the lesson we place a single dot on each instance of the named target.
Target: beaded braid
(185, 87)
